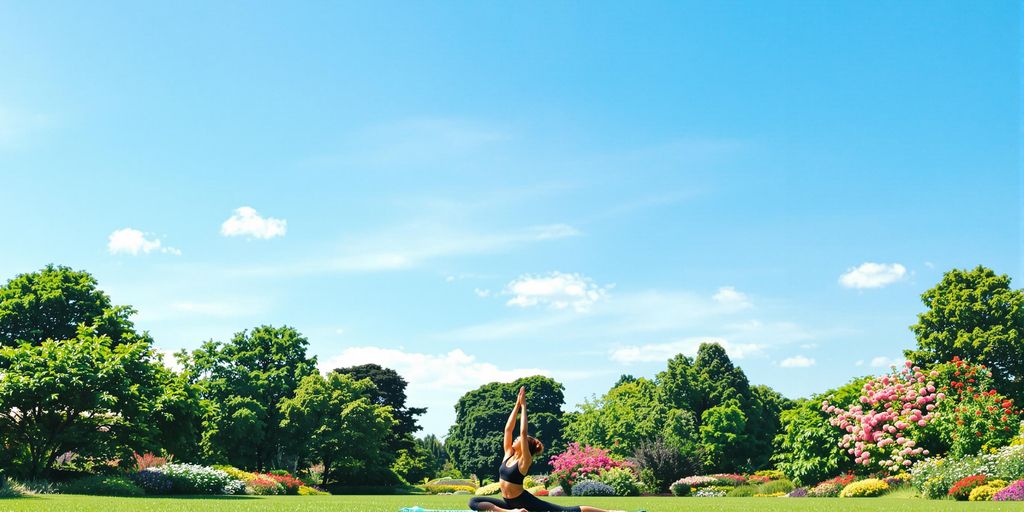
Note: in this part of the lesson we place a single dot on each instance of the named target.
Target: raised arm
(525, 457)
(510, 425)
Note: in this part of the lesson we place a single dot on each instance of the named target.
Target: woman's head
(536, 446)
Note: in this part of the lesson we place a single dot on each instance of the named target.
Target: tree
(722, 430)
(675, 388)
(974, 314)
(390, 391)
(474, 441)
(438, 453)
(244, 382)
(807, 447)
(628, 415)
(763, 424)
(716, 380)
(340, 427)
(84, 394)
(51, 304)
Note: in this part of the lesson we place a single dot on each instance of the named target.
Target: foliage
(152, 481)
(440, 488)
(83, 393)
(489, 489)
(774, 486)
(622, 480)
(414, 464)
(722, 430)
(11, 489)
(961, 490)
(475, 440)
(340, 426)
(148, 460)
(306, 490)
(712, 492)
(664, 462)
(556, 491)
(742, 491)
(976, 315)
(592, 488)
(986, 492)
(882, 431)
(1012, 492)
(973, 415)
(261, 485)
(770, 474)
(867, 488)
(103, 485)
(195, 479)
(680, 489)
(389, 390)
(289, 483)
(628, 415)
(832, 487)
(799, 492)
(579, 463)
(245, 382)
(934, 477)
(729, 479)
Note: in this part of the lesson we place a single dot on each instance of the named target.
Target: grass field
(68, 503)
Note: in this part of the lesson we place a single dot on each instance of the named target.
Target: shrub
(799, 492)
(697, 481)
(535, 489)
(974, 415)
(710, 492)
(291, 484)
(529, 481)
(731, 480)
(455, 481)
(263, 486)
(622, 480)
(306, 490)
(542, 492)
(1012, 492)
(148, 460)
(961, 490)
(195, 479)
(660, 462)
(440, 488)
(580, 463)
(236, 473)
(742, 491)
(679, 488)
(592, 488)
(556, 491)
(103, 485)
(771, 474)
(489, 489)
(11, 489)
(832, 487)
(776, 486)
(152, 482)
(987, 491)
(867, 488)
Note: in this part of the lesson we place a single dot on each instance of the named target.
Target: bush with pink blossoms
(881, 429)
(1012, 492)
(580, 463)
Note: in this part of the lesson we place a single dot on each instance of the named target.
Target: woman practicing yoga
(518, 457)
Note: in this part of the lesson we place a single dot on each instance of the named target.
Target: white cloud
(557, 290)
(656, 352)
(247, 222)
(884, 362)
(729, 296)
(132, 241)
(797, 362)
(435, 380)
(481, 292)
(873, 275)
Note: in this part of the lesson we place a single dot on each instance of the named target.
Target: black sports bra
(510, 474)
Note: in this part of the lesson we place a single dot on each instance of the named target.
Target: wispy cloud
(556, 290)
(729, 296)
(412, 246)
(798, 361)
(658, 352)
(134, 242)
(872, 275)
(885, 362)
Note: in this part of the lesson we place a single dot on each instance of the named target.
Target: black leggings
(524, 500)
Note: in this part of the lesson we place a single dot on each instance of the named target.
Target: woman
(519, 455)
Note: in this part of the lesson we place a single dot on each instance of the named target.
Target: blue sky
(471, 192)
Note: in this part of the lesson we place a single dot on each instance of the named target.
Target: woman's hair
(535, 445)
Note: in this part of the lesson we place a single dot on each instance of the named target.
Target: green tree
(414, 464)
(84, 394)
(475, 440)
(722, 430)
(976, 315)
(628, 415)
(340, 427)
(807, 446)
(243, 384)
(438, 453)
(51, 304)
(716, 380)
(763, 424)
(675, 388)
(390, 391)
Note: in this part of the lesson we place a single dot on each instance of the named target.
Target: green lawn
(66, 503)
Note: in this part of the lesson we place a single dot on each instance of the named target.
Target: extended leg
(495, 504)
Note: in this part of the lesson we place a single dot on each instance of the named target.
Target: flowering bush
(263, 486)
(236, 473)
(306, 490)
(987, 491)
(897, 480)
(489, 489)
(592, 488)
(867, 488)
(697, 481)
(444, 488)
(881, 430)
(622, 480)
(1012, 492)
(934, 477)
(710, 492)
(799, 492)
(153, 482)
(289, 483)
(195, 479)
(542, 492)
(974, 416)
(680, 489)
(832, 487)
(729, 479)
(579, 463)
(148, 460)
(556, 491)
(770, 474)
(961, 490)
